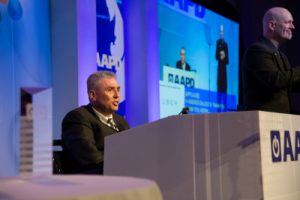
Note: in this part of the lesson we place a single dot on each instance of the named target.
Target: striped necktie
(112, 124)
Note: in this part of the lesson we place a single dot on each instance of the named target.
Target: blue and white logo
(287, 148)
(275, 146)
(110, 36)
(187, 6)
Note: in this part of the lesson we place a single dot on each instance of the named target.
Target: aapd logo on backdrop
(110, 36)
(286, 148)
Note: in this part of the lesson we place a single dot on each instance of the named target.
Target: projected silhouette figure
(222, 58)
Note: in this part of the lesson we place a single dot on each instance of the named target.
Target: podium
(222, 156)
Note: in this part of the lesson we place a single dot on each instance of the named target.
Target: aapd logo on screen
(286, 148)
(187, 6)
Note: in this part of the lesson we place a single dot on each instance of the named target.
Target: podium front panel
(226, 156)
(163, 155)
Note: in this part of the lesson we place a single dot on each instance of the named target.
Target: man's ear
(272, 25)
(92, 95)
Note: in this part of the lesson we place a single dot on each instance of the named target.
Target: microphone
(184, 111)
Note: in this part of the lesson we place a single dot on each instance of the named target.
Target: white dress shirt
(105, 119)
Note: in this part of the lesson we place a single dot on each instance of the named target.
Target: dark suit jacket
(179, 66)
(267, 78)
(222, 46)
(222, 71)
(83, 140)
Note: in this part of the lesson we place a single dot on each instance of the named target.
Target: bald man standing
(267, 74)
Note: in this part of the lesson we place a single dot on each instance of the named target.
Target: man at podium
(84, 129)
(267, 74)
(182, 64)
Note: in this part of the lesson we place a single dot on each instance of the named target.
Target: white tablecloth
(77, 187)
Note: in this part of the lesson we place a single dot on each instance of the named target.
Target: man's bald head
(278, 24)
(274, 14)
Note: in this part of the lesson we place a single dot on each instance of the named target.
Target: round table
(77, 187)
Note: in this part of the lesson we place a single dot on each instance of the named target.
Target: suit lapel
(279, 60)
(285, 61)
(90, 109)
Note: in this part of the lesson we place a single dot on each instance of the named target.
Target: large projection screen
(198, 59)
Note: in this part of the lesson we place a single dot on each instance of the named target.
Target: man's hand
(222, 55)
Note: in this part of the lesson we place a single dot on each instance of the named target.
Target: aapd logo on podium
(286, 147)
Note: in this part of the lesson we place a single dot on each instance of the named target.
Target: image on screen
(198, 59)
